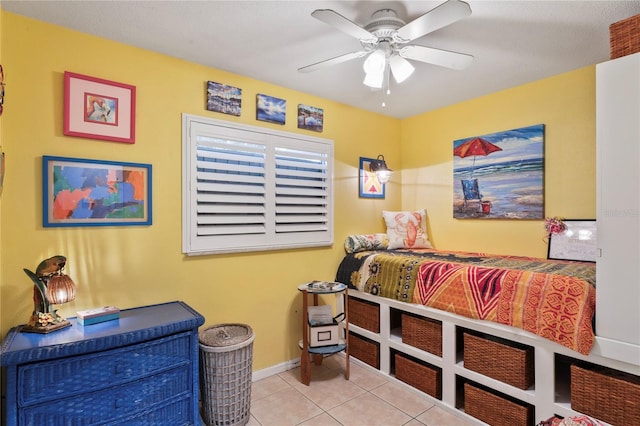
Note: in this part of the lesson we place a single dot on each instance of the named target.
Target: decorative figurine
(51, 287)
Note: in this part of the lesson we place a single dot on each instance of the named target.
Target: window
(247, 188)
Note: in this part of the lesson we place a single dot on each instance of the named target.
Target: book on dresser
(97, 315)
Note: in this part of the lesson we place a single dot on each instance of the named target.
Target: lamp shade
(60, 289)
(374, 67)
(379, 167)
(400, 68)
(374, 80)
(375, 63)
(383, 176)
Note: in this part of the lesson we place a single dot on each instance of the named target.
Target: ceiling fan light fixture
(374, 79)
(374, 67)
(375, 63)
(385, 42)
(400, 68)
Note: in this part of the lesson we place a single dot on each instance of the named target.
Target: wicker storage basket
(364, 314)
(364, 349)
(605, 394)
(494, 409)
(501, 361)
(226, 360)
(422, 333)
(420, 376)
(624, 37)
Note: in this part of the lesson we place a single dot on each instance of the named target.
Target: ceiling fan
(385, 41)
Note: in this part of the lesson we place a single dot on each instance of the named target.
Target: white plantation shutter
(230, 187)
(301, 191)
(246, 188)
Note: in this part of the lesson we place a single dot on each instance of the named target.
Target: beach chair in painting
(471, 192)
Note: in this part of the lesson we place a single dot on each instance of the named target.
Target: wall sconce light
(379, 167)
(51, 287)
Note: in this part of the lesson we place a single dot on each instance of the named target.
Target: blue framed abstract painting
(82, 192)
(500, 175)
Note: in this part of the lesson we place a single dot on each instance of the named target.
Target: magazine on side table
(324, 286)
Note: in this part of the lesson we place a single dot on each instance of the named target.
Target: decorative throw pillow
(356, 243)
(406, 229)
(581, 420)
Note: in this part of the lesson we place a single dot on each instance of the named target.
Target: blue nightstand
(139, 369)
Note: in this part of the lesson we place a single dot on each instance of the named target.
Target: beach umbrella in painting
(474, 147)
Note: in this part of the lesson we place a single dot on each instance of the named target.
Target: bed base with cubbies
(487, 371)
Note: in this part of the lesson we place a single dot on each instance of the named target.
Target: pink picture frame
(99, 109)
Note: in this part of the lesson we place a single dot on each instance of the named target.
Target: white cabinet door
(618, 199)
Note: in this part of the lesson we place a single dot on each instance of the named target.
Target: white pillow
(406, 229)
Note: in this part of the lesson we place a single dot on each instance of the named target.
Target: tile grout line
(365, 388)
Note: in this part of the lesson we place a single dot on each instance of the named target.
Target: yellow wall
(565, 104)
(133, 266)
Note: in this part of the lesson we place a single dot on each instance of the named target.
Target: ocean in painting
(513, 189)
(509, 181)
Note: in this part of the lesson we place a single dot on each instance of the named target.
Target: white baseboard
(275, 369)
(294, 363)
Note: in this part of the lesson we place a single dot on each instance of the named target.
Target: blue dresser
(141, 369)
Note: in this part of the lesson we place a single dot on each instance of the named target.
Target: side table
(319, 352)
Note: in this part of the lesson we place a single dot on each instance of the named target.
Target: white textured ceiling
(513, 42)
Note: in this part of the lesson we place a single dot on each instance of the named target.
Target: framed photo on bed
(577, 242)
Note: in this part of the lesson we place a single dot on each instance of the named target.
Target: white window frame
(276, 192)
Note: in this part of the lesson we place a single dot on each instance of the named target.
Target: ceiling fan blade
(444, 58)
(345, 25)
(333, 61)
(441, 16)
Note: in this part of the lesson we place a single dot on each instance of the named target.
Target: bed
(553, 299)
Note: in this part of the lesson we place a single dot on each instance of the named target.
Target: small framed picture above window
(271, 109)
(223, 98)
(310, 118)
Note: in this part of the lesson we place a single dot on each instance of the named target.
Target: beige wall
(132, 266)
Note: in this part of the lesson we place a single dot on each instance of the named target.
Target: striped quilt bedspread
(553, 299)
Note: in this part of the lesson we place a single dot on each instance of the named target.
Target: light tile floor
(366, 399)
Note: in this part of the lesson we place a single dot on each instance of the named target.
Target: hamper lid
(223, 335)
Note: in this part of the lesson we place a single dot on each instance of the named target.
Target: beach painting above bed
(500, 175)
